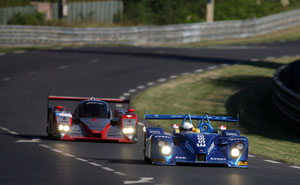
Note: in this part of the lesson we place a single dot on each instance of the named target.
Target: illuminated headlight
(235, 152)
(166, 150)
(60, 127)
(144, 129)
(64, 128)
(129, 130)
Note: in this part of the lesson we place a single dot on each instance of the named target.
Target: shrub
(35, 18)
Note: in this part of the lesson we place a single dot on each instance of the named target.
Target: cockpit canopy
(93, 109)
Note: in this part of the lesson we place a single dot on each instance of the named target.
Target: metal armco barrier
(286, 92)
(28, 36)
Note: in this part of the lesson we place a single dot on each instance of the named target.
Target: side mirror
(131, 111)
(174, 126)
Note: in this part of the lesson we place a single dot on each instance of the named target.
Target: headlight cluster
(164, 147)
(64, 128)
(128, 130)
(237, 150)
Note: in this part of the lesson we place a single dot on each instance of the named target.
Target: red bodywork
(96, 134)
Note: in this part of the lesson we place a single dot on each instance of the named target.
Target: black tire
(147, 160)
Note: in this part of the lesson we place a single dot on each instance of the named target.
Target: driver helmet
(187, 127)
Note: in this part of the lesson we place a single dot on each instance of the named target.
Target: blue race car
(203, 144)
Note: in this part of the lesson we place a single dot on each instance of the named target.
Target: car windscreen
(94, 110)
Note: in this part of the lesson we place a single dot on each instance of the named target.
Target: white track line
(249, 155)
(13, 133)
(55, 150)
(224, 65)
(162, 80)
(186, 73)
(122, 97)
(126, 94)
(150, 83)
(80, 159)
(5, 129)
(212, 67)
(173, 76)
(132, 90)
(140, 87)
(68, 155)
(296, 167)
(94, 61)
(140, 123)
(120, 173)
(95, 164)
(254, 60)
(271, 161)
(108, 169)
(6, 79)
(2, 54)
(45, 146)
(269, 58)
(199, 70)
(62, 67)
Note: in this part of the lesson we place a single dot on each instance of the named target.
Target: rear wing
(212, 118)
(187, 116)
(71, 98)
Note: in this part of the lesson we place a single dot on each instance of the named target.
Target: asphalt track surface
(27, 156)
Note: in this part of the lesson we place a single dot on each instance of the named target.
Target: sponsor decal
(211, 148)
(129, 122)
(62, 119)
(154, 131)
(231, 134)
(189, 147)
(238, 139)
(243, 163)
(179, 157)
(217, 159)
(201, 141)
(162, 137)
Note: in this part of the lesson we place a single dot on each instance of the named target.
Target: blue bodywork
(207, 145)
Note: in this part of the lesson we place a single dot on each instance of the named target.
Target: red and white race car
(92, 119)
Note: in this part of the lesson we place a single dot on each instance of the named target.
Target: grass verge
(245, 89)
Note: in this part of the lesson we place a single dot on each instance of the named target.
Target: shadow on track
(166, 56)
(121, 161)
(46, 138)
(253, 102)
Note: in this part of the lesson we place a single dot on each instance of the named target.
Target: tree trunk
(210, 11)
(285, 3)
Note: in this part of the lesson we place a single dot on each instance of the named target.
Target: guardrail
(27, 36)
(286, 92)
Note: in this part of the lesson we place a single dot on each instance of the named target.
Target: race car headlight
(235, 152)
(166, 150)
(60, 127)
(144, 129)
(64, 128)
(128, 130)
